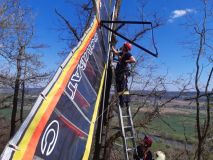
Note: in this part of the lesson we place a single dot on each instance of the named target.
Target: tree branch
(69, 26)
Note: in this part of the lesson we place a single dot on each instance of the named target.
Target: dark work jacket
(121, 65)
(141, 155)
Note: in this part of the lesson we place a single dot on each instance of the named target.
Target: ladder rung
(130, 149)
(129, 138)
(125, 116)
(126, 127)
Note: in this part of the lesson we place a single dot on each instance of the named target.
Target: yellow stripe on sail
(92, 126)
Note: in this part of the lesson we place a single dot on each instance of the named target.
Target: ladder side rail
(133, 130)
(123, 133)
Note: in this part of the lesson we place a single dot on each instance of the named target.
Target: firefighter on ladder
(122, 71)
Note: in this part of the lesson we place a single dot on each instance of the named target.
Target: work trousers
(122, 86)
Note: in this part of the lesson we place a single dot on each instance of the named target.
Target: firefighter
(122, 70)
(143, 149)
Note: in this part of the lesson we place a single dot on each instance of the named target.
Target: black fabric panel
(68, 144)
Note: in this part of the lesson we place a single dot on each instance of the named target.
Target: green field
(170, 132)
(174, 127)
(6, 113)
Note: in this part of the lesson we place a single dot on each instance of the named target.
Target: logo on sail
(49, 138)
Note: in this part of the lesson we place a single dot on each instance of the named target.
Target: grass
(5, 116)
(173, 126)
(6, 113)
(6, 106)
(161, 145)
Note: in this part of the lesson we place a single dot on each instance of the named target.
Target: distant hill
(32, 91)
(5, 90)
(167, 95)
(170, 94)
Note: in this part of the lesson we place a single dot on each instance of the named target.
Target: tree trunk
(22, 101)
(15, 102)
(23, 94)
(16, 92)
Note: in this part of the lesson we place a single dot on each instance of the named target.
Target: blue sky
(171, 34)
(173, 56)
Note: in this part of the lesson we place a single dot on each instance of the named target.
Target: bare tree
(202, 129)
(71, 33)
(201, 49)
(23, 66)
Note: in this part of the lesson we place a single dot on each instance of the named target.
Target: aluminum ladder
(128, 132)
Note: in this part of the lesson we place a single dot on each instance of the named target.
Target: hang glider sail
(61, 123)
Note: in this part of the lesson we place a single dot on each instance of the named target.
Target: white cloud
(180, 13)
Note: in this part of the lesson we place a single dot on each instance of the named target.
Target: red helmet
(147, 141)
(128, 46)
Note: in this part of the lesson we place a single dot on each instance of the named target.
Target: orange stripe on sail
(29, 153)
